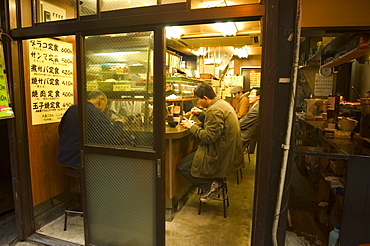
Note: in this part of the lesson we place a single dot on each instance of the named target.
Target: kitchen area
(332, 133)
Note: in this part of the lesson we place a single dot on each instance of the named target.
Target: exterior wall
(335, 13)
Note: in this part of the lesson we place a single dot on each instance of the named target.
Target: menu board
(5, 110)
(255, 80)
(51, 79)
(323, 85)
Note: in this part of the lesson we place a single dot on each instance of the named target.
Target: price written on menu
(323, 85)
(51, 79)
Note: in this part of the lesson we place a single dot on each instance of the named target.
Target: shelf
(353, 54)
(181, 99)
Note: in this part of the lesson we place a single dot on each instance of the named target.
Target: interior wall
(47, 174)
(361, 77)
(318, 13)
(251, 61)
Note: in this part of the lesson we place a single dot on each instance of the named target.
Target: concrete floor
(189, 228)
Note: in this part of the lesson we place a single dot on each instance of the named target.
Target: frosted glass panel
(196, 4)
(120, 200)
(56, 10)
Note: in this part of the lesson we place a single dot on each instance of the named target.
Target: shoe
(206, 196)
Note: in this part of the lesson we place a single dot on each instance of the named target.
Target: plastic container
(334, 236)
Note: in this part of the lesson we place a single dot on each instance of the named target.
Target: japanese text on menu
(51, 79)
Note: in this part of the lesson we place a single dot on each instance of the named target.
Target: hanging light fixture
(241, 52)
(173, 32)
(202, 51)
(226, 28)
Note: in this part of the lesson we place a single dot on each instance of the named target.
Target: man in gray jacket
(220, 150)
(249, 122)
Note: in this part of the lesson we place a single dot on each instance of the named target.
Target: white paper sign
(51, 79)
(323, 85)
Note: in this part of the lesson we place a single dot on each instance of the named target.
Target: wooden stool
(224, 198)
(71, 172)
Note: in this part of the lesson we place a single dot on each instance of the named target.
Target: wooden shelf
(353, 54)
(181, 99)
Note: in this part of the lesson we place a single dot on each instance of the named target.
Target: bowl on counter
(173, 123)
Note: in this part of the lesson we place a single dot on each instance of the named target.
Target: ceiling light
(241, 52)
(202, 51)
(173, 32)
(226, 28)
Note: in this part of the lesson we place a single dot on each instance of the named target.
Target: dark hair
(95, 94)
(257, 90)
(203, 90)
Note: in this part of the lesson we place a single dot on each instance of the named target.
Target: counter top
(356, 145)
(176, 132)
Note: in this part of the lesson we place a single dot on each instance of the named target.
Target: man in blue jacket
(99, 129)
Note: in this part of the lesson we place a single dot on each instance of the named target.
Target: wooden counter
(179, 143)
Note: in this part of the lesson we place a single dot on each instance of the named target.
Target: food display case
(180, 94)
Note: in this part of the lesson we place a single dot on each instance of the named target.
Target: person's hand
(187, 123)
(196, 110)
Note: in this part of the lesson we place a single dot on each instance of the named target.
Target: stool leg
(200, 207)
(237, 176)
(65, 221)
(224, 202)
(65, 211)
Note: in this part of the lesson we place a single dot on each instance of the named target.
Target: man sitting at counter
(249, 122)
(99, 129)
(220, 150)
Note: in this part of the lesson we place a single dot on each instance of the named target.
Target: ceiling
(206, 35)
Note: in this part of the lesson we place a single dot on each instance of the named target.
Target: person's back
(99, 129)
(69, 143)
(243, 105)
(220, 150)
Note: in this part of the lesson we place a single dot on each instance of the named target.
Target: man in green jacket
(220, 150)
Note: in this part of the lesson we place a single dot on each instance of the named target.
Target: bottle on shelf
(334, 235)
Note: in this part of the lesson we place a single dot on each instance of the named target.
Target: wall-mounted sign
(255, 80)
(5, 110)
(51, 79)
(50, 12)
(323, 85)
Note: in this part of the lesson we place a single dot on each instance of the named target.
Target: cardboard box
(206, 76)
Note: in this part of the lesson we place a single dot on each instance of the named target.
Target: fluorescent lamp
(117, 53)
(226, 28)
(202, 51)
(173, 32)
(241, 52)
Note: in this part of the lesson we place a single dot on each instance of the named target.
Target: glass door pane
(121, 66)
(121, 178)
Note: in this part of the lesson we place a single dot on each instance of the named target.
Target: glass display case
(180, 94)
